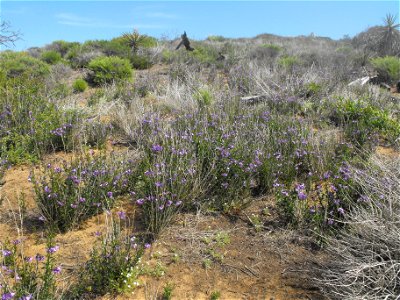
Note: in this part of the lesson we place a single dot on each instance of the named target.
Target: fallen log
(253, 99)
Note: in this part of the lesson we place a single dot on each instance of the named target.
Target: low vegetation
(211, 131)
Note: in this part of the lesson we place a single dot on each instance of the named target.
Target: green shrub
(288, 62)
(216, 38)
(204, 97)
(109, 70)
(79, 85)
(168, 55)
(313, 89)
(62, 47)
(51, 57)
(140, 62)
(388, 67)
(363, 123)
(205, 54)
(17, 64)
(148, 41)
(266, 52)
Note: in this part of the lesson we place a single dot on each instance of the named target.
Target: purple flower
(156, 148)
(147, 246)
(7, 296)
(300, 187)
(302, 195)
(139, 201)
(57, 270)
(177, 203)
(330, 221)
(52, 250)
(149, 173)
(39, 257)
(158, 184)
(340, 211)
(225, 185)
(27, 297)
(121, 215)
(109, 194)
(6, 252)
(81, 199)
(47, 190)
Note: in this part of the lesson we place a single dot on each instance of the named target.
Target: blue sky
(42, 22)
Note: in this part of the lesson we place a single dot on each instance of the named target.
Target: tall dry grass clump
(365, 261)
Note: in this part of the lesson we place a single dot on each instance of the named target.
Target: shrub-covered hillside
(245, 168)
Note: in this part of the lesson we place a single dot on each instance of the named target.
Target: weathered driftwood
(185, 42)
(361, 81)
(253, 99)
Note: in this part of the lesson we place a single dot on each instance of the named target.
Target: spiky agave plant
(390, 39)
(133, 39)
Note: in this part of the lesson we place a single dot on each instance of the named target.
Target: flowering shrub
(26, 278)
(69, 194)
(320, 202)
(30, 125)
(114, 265)
(216, 159)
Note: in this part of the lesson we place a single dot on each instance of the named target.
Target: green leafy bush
(388, 67)
(79, 85)
(140, 62)
(110, 69)
(16, 64)
(62, 47)
(288, 62)
(205, 54)
(51, 57)
(363, 123)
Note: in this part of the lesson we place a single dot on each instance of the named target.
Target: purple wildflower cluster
(73, 192)
(15, 268)
(61, 131)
